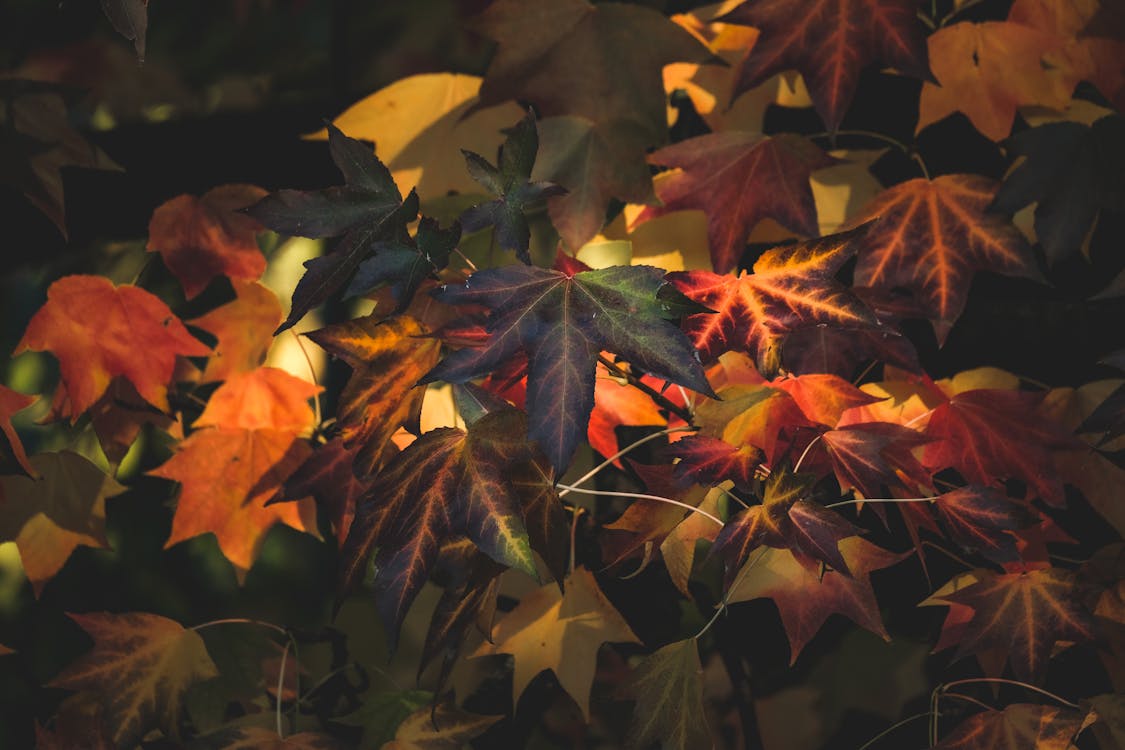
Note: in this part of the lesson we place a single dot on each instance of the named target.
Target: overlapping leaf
(405, 265)
(243, 328)
(989, 70)
(140, 668)
(1020, 615)
(366, 210)
(201, 238)
(1020, 726)
(563, 321)
(669, 692)
(510, 181)
(738, 179)
(830, 42)
(448, 483)
(50, 516)
(12, 402)
(805, 598)
(245, 446)
(791, 286)
(1071, 172)
(98, 331)
(786, 519)
(978, 519)
(444, 727)
(932, 236)
(560, 632)
(387, 358)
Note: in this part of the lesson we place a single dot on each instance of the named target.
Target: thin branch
(578, 511)
(968, 699)
(892, 500)
(947, 553)
(904, 148)
(281, 686)
(472, 266)
(1006, 681)
(241, 621)
(805, 452)
(609, 461)
(312, 373)
(640, 496)
(651, 392)
(892, 728)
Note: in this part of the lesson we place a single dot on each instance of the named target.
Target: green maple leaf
(367, 210)
(511, 181)
(563, 320)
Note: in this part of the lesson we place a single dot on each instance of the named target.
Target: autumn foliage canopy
(625, 415)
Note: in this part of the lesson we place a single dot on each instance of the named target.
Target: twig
(640, 496)
(652, 393)
(609, 461)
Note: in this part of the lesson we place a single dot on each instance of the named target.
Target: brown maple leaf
(932, 236)
(738, 179)
(141, 666)
(201, 238)
(1020, 726)
(829, 42)
(98, 331)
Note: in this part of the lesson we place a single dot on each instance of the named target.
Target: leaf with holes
(738, 179)
(790, 287)
(563, 320)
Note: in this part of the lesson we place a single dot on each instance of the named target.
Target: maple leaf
(932, 236)
(823, 397)
(406, 265)
(560, 632)
(563, 321)
(140, 667)
(418, 139)
(738, 179)
(678, 548)
(989, 70)
(829, 42)
(37, 142)
(201, 238)
(1020, 615)
(98, 331)
(447, 483)
(11, 402)
(669, 691)
(866, 456)
(805, 598)
(1071, 173)
(988, 434)
(245, 446)
(785, 519)
(243, 329)
(791, 286)
(79, 722)
(444, 727)
(979, 517)
(594, 162)
(753, 415)
(50, 516)
(1020, 726)
(711, 461)
(366, 210)
(328, 476)
(387, 358)
(511, 182)
(550, 52)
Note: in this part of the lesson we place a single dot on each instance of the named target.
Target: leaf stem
(241, 621)
(892, 728)
(578, 511)
(281, 686)
(636, 444)
(641, 496)
(312, 375)
(858, 500)
(805, 452)
(968, 699)
(472, 266)
(651, 392)
(947, 553)
(890, 141)
(1005, 681)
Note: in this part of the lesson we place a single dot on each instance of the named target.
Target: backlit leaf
(98, 331)
(1020, 726)
(738, 179)
(791, 286)
(244, 328)
(201, 238)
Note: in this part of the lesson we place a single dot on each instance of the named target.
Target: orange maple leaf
(201, 238)
(98, 331)
(244, 328)
(10, 403)
(932, 236)
(248, 447)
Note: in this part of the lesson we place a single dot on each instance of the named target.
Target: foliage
(623, 341)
